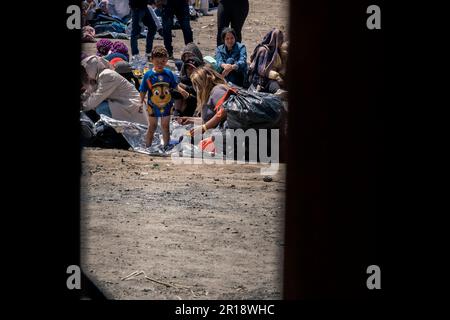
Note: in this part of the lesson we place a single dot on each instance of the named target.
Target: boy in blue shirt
(159, 83)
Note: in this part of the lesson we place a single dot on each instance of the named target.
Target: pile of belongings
(109, 27)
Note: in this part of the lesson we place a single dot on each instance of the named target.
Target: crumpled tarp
(212, 148)
(180, 141)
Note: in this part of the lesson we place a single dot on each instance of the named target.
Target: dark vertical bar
(335, 151)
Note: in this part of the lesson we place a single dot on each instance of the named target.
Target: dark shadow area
(335, 159)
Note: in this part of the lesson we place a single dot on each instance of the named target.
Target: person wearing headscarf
(113, 95)
(266, 63)
(120, 47)
(103, 47)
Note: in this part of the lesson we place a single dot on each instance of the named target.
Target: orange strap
(224, 97)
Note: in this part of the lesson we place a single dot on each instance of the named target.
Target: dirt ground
(196, 231)
(216, 229)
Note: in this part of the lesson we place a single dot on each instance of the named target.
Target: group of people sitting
(267, 68)
(109, 86)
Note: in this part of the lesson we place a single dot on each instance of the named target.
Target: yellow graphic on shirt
(160, 95)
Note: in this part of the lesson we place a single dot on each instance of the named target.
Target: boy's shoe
(168, 147)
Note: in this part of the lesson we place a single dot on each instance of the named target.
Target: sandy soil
(197, 231)
(215, 229)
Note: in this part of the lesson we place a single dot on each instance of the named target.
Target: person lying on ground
(211, 87)
(112, 94)
(231, 57)
(103, 7)
(158, 83)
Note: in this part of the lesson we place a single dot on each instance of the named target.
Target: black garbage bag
(257, 110)
(98, 134)
(107, 137)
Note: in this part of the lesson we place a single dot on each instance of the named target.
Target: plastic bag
(258, 110)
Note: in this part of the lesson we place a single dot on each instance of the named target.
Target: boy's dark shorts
(157, 112)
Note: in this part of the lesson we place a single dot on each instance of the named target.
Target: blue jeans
(180, 9)
(143, 15)
(103, 108)
(236, 77)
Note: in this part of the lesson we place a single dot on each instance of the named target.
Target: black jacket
(140, 4)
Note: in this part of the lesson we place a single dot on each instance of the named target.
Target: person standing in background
(179, 8)
(140, 12)
(232, 12)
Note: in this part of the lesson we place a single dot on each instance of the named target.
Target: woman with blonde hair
(212, 90)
